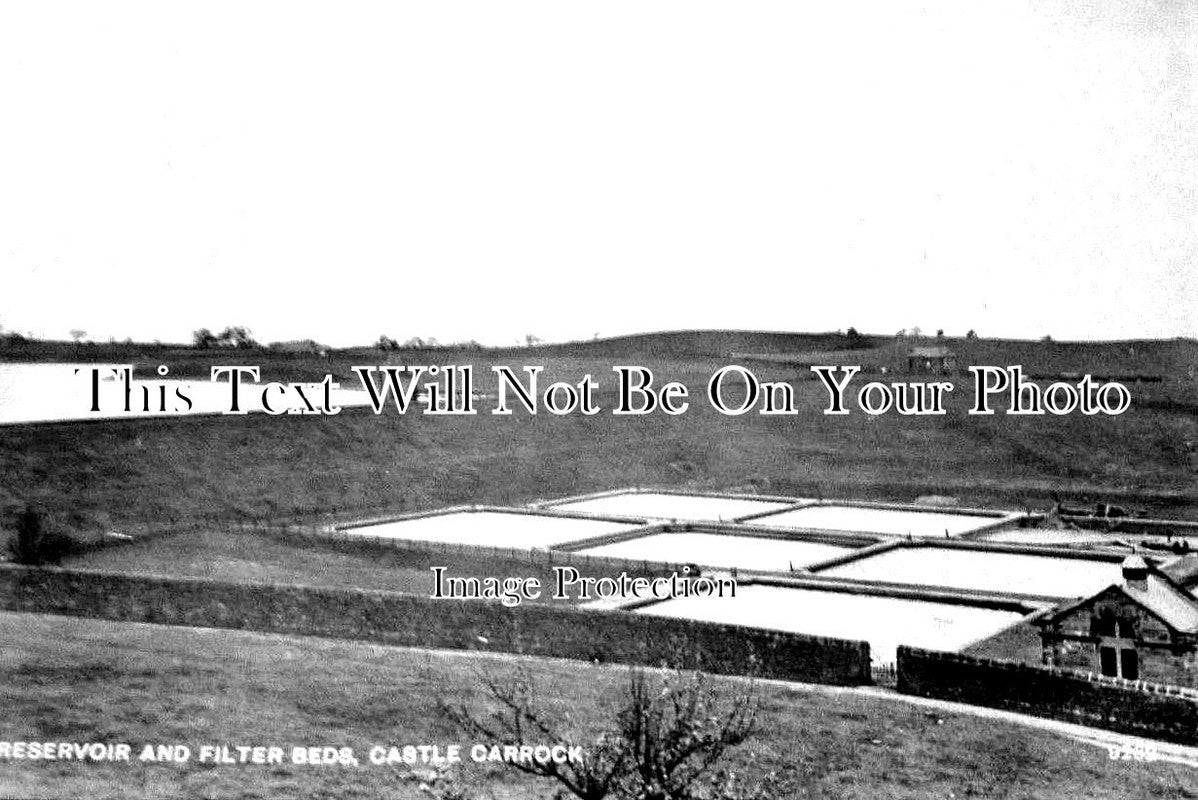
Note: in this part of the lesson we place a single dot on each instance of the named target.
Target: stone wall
(412, 620)
(1134, 707)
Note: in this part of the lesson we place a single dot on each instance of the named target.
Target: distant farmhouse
(1143, 628)
(935, 359)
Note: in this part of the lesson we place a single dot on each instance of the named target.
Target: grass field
(87, 680)
(252, 557)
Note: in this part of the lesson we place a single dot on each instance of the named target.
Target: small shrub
(35, 545)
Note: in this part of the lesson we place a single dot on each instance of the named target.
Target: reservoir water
(57, 393)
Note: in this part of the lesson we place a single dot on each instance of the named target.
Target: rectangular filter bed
(1051, 576)
(721, 550)
(663, 505)
(884, 622)
(491, 529)
(919, 524)
(1056, 537)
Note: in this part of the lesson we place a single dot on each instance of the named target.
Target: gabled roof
(1163, 598)
(1157, 593)
(1183, 571)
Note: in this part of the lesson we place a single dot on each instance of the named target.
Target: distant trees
(971, 334)
(77, 334)
(238, 337)
(386, 343)
(854, 340)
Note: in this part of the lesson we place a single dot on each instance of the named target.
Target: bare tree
(676, 735)
(665, 742)
(518, 721)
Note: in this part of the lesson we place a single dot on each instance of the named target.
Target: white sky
(485, 170)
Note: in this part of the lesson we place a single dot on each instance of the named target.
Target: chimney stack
(1135, 572)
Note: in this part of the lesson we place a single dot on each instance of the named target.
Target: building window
(1119, 662)
(1127, 629)
(1129, 663)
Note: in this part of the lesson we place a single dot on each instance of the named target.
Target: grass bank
(87, 680)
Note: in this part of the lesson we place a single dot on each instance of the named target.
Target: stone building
(1143, 628)
(938, 360)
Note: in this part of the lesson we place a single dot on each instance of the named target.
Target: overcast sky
(486, 170)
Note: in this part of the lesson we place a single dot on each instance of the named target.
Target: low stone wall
(411, 620)
(1133, 707)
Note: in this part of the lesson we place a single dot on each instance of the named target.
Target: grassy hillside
(87, 680)
(103, 475)
(671, 344)
(1174, 358)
